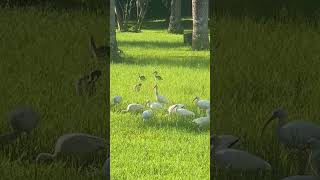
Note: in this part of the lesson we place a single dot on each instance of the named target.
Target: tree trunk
(200, 36)
(175, 18)
(119, 15)
(113, 40)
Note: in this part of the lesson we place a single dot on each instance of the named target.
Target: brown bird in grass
(101, 52)
(156, 76)
(137, 87)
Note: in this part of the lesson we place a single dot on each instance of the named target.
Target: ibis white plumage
(172, 108)
(160, 99)
(202, 104)
(294, 134)
(147, 115)
(134, 108)
(237, 160)
(116, 100)
(182, 111)
(154, 105)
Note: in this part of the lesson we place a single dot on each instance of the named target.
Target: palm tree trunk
(113, 40)
(200, 37)
(175, 17)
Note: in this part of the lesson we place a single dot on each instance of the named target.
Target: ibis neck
(282, 121)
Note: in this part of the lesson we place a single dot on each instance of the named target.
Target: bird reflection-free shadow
(184, 125)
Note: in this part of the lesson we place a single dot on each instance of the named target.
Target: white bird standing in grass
(182, 111)
(133, 108)
(154, 105)
(79, 144)
(172, 108)
(294, 134)
(202, 121)
(301, 177)
(202, 104)
(160, 99)
(237, 160)
(116, 100)
(147, 115)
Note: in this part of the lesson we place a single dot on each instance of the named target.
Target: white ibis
(137, 87)
(202, 104)
(142, 77)
(233, 159)
(116, 100)
(301, 177)
(183, 112)
(22, 119)
(147, 115)
(98, 52)
(294, 134)
(134, 108)
(202, 121)
(78, 144)
(160, 99)
(154, 105)
(157, 76)
(106, 168)
(172, 108)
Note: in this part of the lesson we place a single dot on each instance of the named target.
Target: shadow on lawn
(180, 124)
(155, 44)
(177, 61)
(162, 24)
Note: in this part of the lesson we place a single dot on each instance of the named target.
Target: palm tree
(113, 39)
(175, 17)
(200, 37)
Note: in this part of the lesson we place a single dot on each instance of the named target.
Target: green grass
(166, 147)
(259, 67)
(42, 53)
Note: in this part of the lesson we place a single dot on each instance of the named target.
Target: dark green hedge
(267, 8)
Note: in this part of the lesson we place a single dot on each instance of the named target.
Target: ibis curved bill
(172, 108)
(202, 104)
(294, 134)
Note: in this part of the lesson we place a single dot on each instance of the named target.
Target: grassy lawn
(258, 68)
(42, 53)
(166, 147)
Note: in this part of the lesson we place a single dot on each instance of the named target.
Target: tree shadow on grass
(162, 24)
(176, 61)
(155, 44)
(184, 125)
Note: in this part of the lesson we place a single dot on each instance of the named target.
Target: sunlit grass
(166, 147)
(258, 68)
(42, 53)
